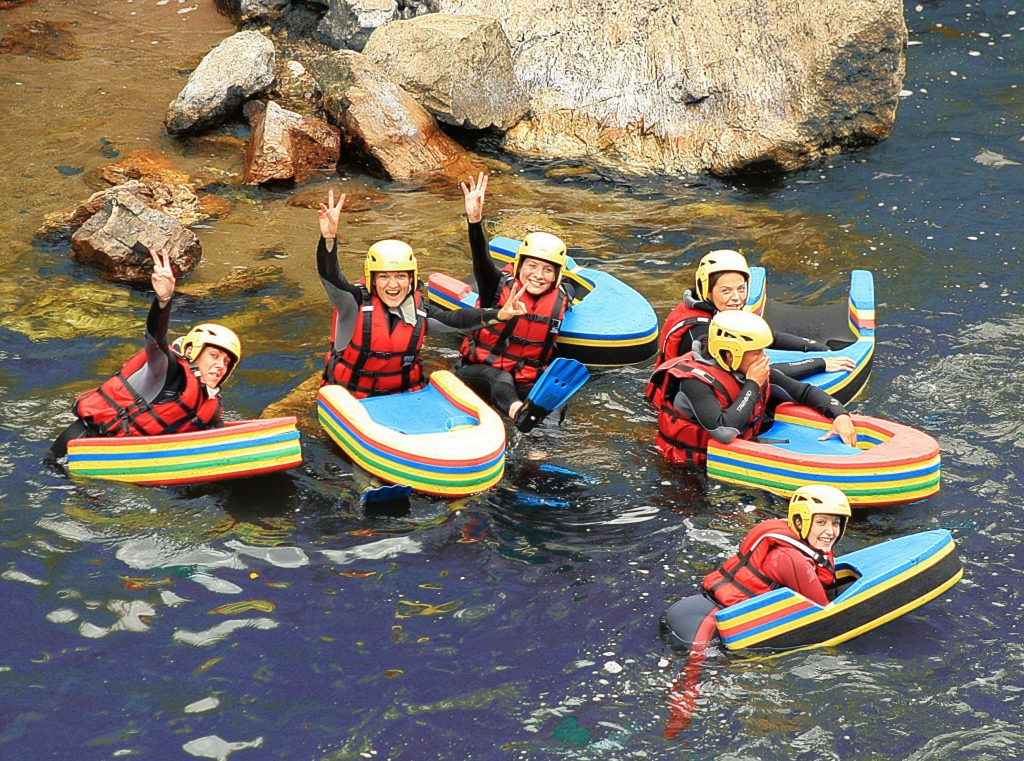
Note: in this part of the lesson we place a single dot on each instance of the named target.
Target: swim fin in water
(563, 378)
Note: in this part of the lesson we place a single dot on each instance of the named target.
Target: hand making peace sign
(474, 193)
(329, 215)
(163, 276)
(513, 307)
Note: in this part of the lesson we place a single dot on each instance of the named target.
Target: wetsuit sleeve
(488, 276)
(786, 389)
(801, 368)
(343, 296)
(796, 571)
(464, 319)
(161, 371)
(790, 342)
(697, 401)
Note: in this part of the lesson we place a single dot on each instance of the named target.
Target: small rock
(288, 146)
(348, 24)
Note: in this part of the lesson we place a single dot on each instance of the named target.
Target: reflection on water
(278, 618)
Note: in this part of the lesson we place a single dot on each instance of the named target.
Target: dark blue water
(523, 623)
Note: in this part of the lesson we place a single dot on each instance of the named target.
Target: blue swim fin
(563, 378)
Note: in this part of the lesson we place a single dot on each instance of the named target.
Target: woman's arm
(696, 400)
(487, 275)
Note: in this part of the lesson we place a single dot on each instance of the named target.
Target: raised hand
(163, 276)
(513, 307)
(474, 193)
(329, 215)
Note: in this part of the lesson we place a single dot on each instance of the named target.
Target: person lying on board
(731, 392)
(797, 553)
(162, 389)
(721, 282)
(502, 364)
(381, 320)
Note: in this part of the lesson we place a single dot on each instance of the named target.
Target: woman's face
(392, 287)
(824, 531)
(537, 275)
(213, 364)
(729, 291)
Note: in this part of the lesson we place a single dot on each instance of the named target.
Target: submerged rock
(702, 85)
(118, 238)
(239, 68)
(458, 67)
(285, 145)
(46, 40)
(380, 121)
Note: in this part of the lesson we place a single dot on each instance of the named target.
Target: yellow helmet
(547, 248)
(817, 499)
(722, 260)
(737, 332)
(390, 256)
(210, 334)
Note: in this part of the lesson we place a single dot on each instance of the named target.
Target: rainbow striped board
(442, 439)
(891, 464)
(238, 450)
(611, 325)
(882, 582)
(848, 327)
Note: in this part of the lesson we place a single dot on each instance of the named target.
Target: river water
(276, 619)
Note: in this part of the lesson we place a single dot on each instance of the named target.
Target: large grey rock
(379, 120)
(349, 23)
(239, 68)
(702, 85)
(458, 67)
(110, 237)
(285, 145)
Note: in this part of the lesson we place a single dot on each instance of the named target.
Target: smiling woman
(162, 389)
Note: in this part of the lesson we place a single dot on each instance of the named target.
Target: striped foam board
(891, 464)
(441, 440)
(237, 450)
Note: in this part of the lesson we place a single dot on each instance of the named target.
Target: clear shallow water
(275, 619)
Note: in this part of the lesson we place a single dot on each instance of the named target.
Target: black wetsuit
(161, 379)
(492, 383)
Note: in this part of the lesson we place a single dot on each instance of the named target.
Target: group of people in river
(712, 378)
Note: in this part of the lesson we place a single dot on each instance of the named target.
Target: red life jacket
(675, 340)
(522, 346)
(740, 577)
(117, 409)
(685, 441)
(379, 360)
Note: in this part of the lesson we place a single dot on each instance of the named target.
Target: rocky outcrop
(117, 239)
(702, 85)
(458, 67)
(380, 121)
(349, 23)
(285, 145)
(239, 68)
